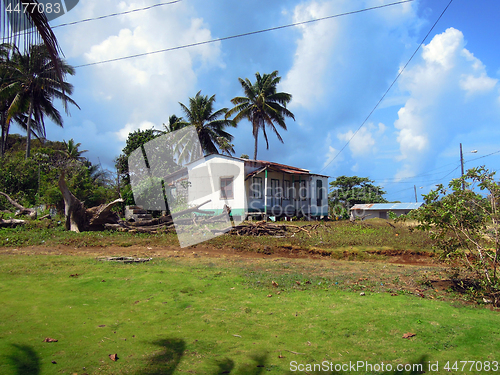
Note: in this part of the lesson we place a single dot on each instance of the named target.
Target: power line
(244, 34)
(493, 153)
(388, 180)
(116, 14)
(390, 86)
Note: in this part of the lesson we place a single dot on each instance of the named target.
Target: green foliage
(34, 181)
(465, 223)
(392, 215)
(346, 191)
(135, 140)
(19, 180)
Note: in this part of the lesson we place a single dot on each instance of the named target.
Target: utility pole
(415, 187)
(462, 164)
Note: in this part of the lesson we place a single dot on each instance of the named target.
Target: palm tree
(174, 123)
(37, 30)
(225, 146)
(208, 124)
(72, 152)
(262, 105)
(34, 82)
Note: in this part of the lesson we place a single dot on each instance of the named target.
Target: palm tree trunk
(28, 131)
(2, 140)
(256, 136)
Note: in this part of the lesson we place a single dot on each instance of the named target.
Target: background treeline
(34, 181)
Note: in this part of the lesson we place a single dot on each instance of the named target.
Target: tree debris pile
(125, 259)
(263, 228)
(166, 223)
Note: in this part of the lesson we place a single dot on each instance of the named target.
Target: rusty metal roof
(387, 206)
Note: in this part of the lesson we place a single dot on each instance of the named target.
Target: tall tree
(348, 191)
(262, 105)
(35, 82)
(174, 123)
(72, 151)
(210, 125)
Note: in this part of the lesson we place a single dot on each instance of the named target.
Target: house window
(256, 187)
(226, 188)
(303, 190)
(319, 192)
(286, 189)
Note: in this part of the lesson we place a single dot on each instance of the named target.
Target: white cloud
(335, 59)
(442, 89)
(329, 156)
(148, 88)
(479, 84)
(123, 133)
(361, 144)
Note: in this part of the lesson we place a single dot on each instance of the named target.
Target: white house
(251, 187)
(380, 210)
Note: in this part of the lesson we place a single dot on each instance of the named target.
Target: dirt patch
(204, 250)
(406, 256)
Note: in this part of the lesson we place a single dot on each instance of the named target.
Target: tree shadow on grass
(165, 362)
(226, 366)
(24, 360)
(167, 359)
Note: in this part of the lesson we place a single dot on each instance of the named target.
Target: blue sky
(336, 70)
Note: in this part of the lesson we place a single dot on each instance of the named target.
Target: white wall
(205, 177)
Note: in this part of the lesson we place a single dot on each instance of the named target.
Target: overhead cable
(116, 14)
(243, 34)
(390, 87)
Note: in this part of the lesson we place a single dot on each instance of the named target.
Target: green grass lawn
(215, 316)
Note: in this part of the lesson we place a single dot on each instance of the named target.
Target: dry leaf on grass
(275, 284)
(408, 335)
(269, 295)
(113, 357)
(48, 339)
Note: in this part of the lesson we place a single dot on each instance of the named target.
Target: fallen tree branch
(11, 223)
(21, 209)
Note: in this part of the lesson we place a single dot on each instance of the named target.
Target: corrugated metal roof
(387, 206)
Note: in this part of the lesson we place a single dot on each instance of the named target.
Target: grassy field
(213, 308)
(215, 316)
(375, 234)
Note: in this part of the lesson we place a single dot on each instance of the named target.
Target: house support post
(265, 194)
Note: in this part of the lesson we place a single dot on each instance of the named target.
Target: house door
(275, 193)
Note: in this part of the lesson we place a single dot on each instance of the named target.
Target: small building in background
(381, 210)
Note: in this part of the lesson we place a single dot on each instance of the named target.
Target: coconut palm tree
(72, 151)
(34, 83)
(225, 146)
(29, 27)
(209, 125)
(262, 105)
(174, 123)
